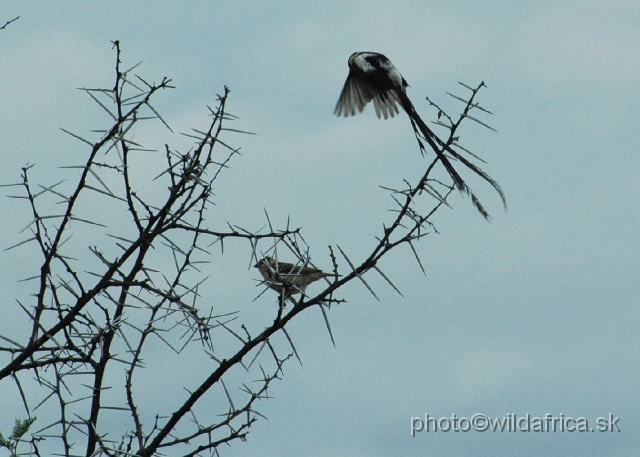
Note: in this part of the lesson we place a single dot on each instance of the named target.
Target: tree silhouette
(100, 309)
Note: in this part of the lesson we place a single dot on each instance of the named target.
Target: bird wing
(298, 270)
(385, 103)
(355, 94)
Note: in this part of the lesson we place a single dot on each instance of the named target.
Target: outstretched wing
(385, 103)
(354, 96)
(357, 93)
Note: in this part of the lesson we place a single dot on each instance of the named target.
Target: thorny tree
(98, 313)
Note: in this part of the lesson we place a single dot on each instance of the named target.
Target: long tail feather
(436, 144)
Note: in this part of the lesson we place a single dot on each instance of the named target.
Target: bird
(372, 76)
(288, 278)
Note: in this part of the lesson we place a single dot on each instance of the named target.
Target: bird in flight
(288, 278)
(372, 77)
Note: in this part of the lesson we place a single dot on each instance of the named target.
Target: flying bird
(286, 277)
(372, 77)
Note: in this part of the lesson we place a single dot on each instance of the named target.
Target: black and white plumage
(372, 77)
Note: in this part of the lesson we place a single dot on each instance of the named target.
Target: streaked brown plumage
(286, 277)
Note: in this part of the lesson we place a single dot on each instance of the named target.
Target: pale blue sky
(536, 312)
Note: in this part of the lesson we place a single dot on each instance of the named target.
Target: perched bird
(286, 277)
(372, 76)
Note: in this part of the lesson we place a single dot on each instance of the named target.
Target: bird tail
(439, 147)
